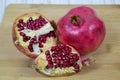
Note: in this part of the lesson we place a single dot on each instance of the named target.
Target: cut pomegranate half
(33, 34)
(59, 60)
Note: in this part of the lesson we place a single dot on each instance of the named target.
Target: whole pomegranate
(82, 29)
(59, 60)
(33, 34)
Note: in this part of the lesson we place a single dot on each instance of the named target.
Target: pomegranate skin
(82, 29)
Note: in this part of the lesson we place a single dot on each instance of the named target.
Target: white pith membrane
(41, 31)
(41, 63)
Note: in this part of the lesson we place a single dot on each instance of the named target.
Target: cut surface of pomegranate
(58, 60)
(33, 34)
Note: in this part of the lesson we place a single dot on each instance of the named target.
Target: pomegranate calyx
(76, 20)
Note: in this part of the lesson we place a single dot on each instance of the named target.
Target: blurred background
(5, 3)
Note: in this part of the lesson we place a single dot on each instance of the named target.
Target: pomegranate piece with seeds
(33, 34)
(59, 60)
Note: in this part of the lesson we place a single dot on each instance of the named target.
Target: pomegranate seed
(40, 17)
(53, 55)
(30, 19)
(33, 40)
(40, 45)
(68, 65)
(21, 28)
(32, 27)
(20, 21)
(47, 53)
(22, 34)
(61, 62)
(56, 65)
(50, 62)
(18, 25)
(71, 60)
(61, 66)
(30, 48)
(36, 21)
(25, 39)
(76, 68)
(76, 57)
(53, 48)
(65, 61)
(70, 56)
(28, 37)
(59, 57)
(49, 58)
(57, 61)
(49, 66)
(52, 34)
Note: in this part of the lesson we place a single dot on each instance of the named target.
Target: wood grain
(16, 66)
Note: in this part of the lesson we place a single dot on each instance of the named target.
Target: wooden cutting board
(16, 66)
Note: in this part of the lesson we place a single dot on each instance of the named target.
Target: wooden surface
(16, 66)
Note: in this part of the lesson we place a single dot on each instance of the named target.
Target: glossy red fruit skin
(87, 36)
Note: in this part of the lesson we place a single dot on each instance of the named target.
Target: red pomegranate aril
(71, 56)
(53, 48)
(76, 68)
(49, 66)
(53, 55)
(21, 28)
(50, 62)
(22, 34)
(25, 39)
(32, 27)
(44, 40)
(65, 65)
(47, 53)
(30, 48)
(59, 57)
(42, 24)
(30, 19)
(35, 42)
(28, 37)
(28, 23)
(57, 61)
(49, 58)
(31, 43)
(53, 34)
(65, 61)
(40, 17)
(20, 21)
(76, 57)
(37, 25)
(56, 65)
(40, 45)
(18, 25)
(61, 66)
(61, 62)
(71, 60)
(36, 20)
